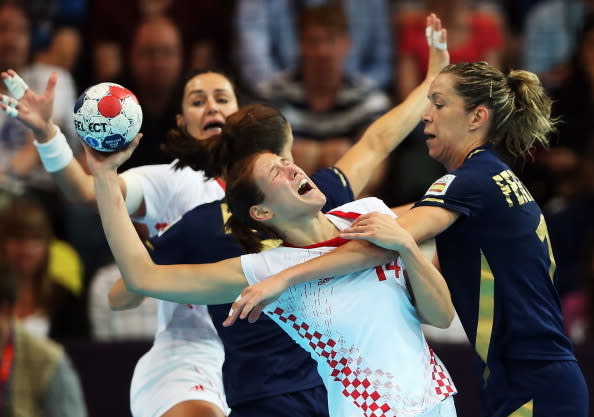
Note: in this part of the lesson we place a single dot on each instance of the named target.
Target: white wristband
(55, 154)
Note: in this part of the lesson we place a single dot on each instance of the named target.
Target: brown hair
(241, 193)
(331, 17)
(251, 129)
(23, 218)
(521, 108)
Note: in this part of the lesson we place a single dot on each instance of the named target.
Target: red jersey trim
(222, 183)
(345, 214)
(335, 242)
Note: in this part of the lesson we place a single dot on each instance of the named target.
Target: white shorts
(159, 383)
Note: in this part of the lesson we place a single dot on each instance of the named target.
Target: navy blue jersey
(498, 263)
(261, 360)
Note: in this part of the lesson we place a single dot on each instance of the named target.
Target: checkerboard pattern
(357, 387)
(443, 384)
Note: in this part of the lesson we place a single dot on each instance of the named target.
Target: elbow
(445, 319)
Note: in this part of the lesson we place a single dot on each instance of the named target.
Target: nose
(426, 117)
(212, 106)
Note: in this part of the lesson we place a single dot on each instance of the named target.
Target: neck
(463, 153)
(321, 83)
(313, 230)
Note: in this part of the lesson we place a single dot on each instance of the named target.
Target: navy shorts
(540, 389)
(312, 402)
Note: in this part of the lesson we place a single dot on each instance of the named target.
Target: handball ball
(107, 117)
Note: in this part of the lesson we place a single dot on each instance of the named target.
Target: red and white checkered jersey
(361, 328)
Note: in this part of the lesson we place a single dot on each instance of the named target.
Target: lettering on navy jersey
(510, 185)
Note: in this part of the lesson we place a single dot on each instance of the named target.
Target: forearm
(389, 131)
(351, 257)
(56, 156)
(120, 298)
(381, 137)
(430, 291)
(126, 247)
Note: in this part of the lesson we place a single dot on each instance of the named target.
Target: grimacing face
(208, 100)
(289, 192)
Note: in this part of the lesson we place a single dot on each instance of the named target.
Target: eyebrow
(216, 91)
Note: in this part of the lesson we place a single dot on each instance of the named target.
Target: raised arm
(387, 132)
(196, 284)
(34, 111)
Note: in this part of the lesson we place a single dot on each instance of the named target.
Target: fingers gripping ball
(107, 117)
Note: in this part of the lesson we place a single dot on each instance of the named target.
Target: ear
(180, 121)
(479, 118)
(260, 213)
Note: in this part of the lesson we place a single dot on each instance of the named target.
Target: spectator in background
(550, 35)
(204, 25)
(268, 39)
(50, 299)
(327, 107)
(155, 69)
(139, 323)
(63, 50)
(18, 158)
(473, 35)
(37, 376)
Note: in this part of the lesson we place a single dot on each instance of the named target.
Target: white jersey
(361, 328)
(169, 193)
(187, 356)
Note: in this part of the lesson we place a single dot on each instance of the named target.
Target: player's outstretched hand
(32, 109)
(437, 39)
(380, 229)
(253, 299)
(101, 162)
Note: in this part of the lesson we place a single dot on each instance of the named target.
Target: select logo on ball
(107, 116)
(92, 127)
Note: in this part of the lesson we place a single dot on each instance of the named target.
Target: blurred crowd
(331, 74)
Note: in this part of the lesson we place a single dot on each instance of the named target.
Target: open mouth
(213, 126)
(304, 187)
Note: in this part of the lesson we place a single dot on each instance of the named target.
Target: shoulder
(361, 206)
(41, 350)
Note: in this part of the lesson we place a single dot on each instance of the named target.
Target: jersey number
(381, 271)
(543, 234)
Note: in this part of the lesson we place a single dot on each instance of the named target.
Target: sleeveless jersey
(361, 329)
(498, 263)
(260, 359)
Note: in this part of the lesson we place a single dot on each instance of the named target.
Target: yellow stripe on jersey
(433, 200)
(474, 153)
(485, 314)
(524, 411)
(343, 180)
